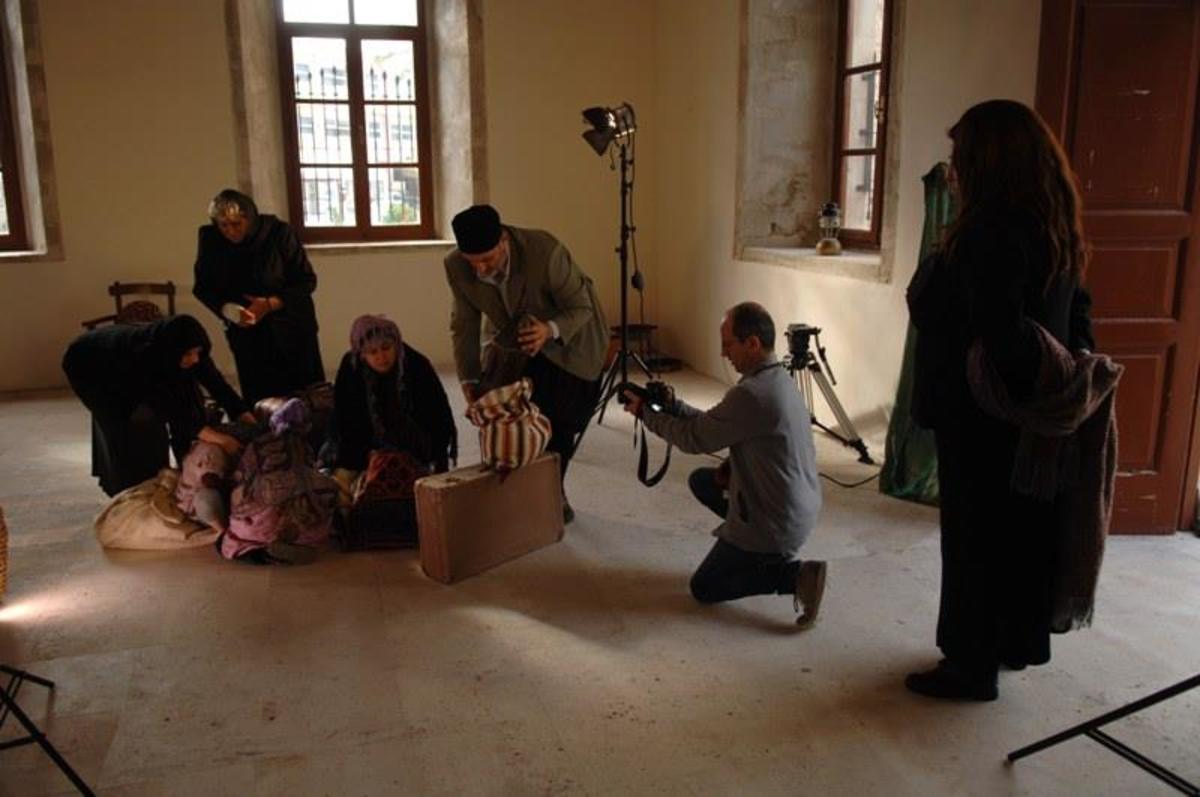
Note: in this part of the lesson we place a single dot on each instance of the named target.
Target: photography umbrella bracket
(807, 368)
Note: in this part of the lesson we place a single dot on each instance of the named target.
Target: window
(356, 119)
(12, 207)
(864, 30)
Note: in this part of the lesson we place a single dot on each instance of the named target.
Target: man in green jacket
(523, 284)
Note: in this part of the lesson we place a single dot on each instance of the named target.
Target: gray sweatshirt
(774, 490)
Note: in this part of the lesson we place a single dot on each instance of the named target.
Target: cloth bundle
(146, 518)
(512, 430)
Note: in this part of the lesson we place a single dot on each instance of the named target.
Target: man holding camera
(526, 281)
(774, 494)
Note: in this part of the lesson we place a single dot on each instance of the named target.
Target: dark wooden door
(1117, 82)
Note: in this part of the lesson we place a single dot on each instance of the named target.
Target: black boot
(949, 681)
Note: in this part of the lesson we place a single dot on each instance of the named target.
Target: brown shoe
(810, 588)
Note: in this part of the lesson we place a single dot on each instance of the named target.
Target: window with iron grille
(356, 119)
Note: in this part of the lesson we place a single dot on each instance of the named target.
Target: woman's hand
(259, 308)
(227, 442)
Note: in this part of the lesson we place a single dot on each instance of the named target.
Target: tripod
(806, 368)
(8, 703)
(617, 373)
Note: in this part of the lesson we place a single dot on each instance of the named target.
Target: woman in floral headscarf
(392, 420)
(387, 397)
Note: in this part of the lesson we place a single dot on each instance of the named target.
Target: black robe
(417, 419)
(129, 377)
(280, 354)
(997, 546)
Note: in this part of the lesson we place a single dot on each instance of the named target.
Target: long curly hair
(1007, 161)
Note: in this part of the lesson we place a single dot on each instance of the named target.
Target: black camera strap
(644, 464)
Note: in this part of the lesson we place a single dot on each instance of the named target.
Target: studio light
(608, 125)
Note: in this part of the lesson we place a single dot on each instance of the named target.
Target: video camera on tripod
(798, 338)
(807, 368)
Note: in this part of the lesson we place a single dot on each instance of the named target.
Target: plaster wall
(950, 54)
(144, 129)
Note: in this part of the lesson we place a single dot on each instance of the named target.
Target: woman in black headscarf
(252, 272)
(138, 381)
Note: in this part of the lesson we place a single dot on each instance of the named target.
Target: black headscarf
(168, 340)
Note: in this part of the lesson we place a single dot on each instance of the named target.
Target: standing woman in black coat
(1014, 256)
(252, 272)
(138, 381)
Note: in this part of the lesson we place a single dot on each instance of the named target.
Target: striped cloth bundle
(512, 431)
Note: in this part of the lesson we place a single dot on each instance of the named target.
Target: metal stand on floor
(8, 703)
(1091, 729)
(806, 368)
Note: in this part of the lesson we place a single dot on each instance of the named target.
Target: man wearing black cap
(525, 280)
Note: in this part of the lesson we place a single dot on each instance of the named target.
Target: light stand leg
(1091, 729)
(610, 384)
(9, 703)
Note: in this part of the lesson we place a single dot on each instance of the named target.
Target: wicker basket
(3, 553)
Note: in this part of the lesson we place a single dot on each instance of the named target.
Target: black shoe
(950, 682)
(810, 588)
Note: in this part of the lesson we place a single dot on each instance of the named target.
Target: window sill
(30, 256)
(377, 247)
(851, 264)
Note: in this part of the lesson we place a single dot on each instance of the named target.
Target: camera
(798, 336)
(657, 395)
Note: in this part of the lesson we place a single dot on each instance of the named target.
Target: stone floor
(584, 668)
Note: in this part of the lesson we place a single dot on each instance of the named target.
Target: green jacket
(544, 281)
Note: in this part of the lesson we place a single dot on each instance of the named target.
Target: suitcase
(472, 519)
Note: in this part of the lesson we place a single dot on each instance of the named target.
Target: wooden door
(1117, 82)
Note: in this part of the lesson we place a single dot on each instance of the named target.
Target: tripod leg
(851, 437)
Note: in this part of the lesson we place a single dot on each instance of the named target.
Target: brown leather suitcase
(471, 519)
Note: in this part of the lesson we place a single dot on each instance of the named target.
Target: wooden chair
(138, 311)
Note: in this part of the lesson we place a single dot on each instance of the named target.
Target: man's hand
(470, 393)
(632, 403)
(533, 334)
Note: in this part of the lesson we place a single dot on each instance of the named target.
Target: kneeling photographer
(774, 495)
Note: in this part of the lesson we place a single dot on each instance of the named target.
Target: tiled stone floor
(582, 669)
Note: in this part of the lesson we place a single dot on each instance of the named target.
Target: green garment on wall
(910, 456)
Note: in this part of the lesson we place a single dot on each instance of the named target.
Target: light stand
(8, 704)
(609, 126)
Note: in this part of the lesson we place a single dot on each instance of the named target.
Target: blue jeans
(728, 572)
